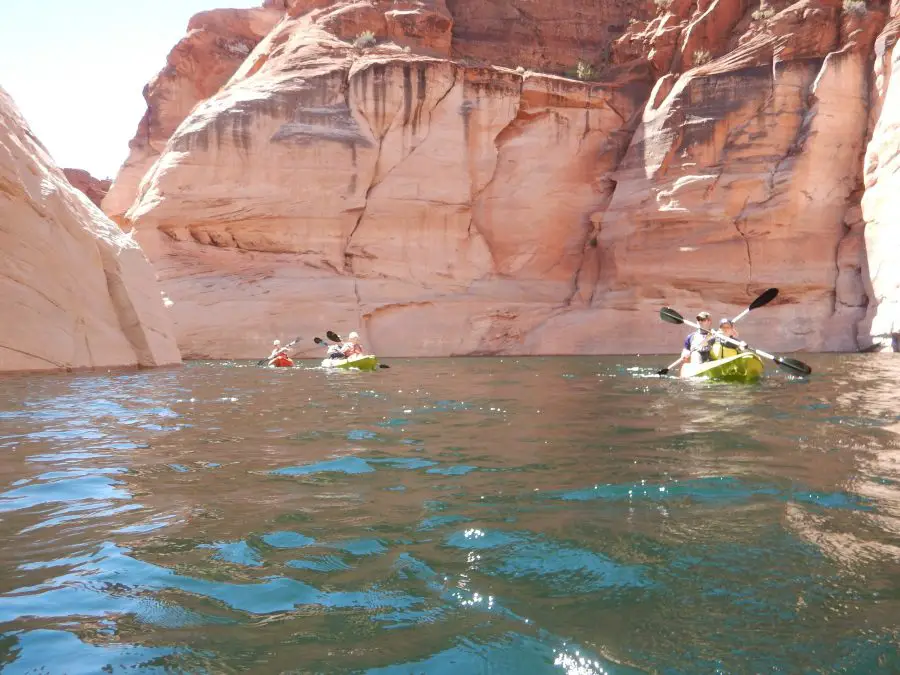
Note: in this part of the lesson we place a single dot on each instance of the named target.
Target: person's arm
(686, 349)
(743, 346)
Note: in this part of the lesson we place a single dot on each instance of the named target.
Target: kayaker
(352, 346)
(279, 356)
(722, 349)
(276, 348)
(698, 344)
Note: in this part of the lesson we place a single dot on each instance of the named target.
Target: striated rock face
(77, 292)
(880, 234)
(94, 188)
(216, 44)
(738, 179)
(440, 201)
(446, 207)
(542, 35)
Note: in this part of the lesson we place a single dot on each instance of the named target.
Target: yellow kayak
(359, 362)
(746, 367)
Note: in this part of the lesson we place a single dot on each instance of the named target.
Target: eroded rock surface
(76, 291)
(880, 229)
(216, 44)
(420, 191)
(94, 188)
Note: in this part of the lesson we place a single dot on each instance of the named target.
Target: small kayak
(359, 361)
(746, 367)
(282, 362)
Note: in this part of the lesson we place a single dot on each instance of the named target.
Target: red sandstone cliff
(76, 291)
(217, 43)
(94, 188)
(429, 172)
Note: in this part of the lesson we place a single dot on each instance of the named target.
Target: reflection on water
(542, 515)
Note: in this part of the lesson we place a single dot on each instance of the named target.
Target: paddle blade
(764, 298)
(319, 341)
(665, 371)
(383, 365)
(670, 315)
(334, 337)
(262, 362)
(793, 365)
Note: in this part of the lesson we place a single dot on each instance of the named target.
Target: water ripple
(522, 515)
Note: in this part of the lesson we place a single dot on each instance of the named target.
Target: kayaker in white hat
(352, 346)
(276, 348)
(697, 344)
(279, 356)
(722, 349)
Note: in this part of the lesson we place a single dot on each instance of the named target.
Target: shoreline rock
(77, 292)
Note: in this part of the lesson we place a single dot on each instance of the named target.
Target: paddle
(334, 337)
(671, 316)
(764, 298)
(266, 361)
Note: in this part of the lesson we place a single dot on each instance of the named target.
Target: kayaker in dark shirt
(697, 345)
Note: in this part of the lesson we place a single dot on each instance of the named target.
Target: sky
(76, 69)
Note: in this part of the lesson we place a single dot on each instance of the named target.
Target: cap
(353, 336)
(276, 342)
(725, 321)
(702, 316)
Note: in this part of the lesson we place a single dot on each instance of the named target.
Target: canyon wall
(880, 230)
(461, 177)
(76, 291)
(216, 44)
(94, 188)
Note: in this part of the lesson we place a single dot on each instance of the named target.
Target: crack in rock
(348, 257)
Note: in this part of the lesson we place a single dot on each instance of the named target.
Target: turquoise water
(515, 515)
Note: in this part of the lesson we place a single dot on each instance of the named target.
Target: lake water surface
(491, 515)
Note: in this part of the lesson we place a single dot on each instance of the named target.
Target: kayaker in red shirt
(279, 354)
(352, 347)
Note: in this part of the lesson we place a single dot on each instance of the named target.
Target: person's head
(353, 337)
(704, 319)
(726, 326)
(276, 343)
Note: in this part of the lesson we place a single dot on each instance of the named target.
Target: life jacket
(720, 350)
(354, 349)
(282, 361)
